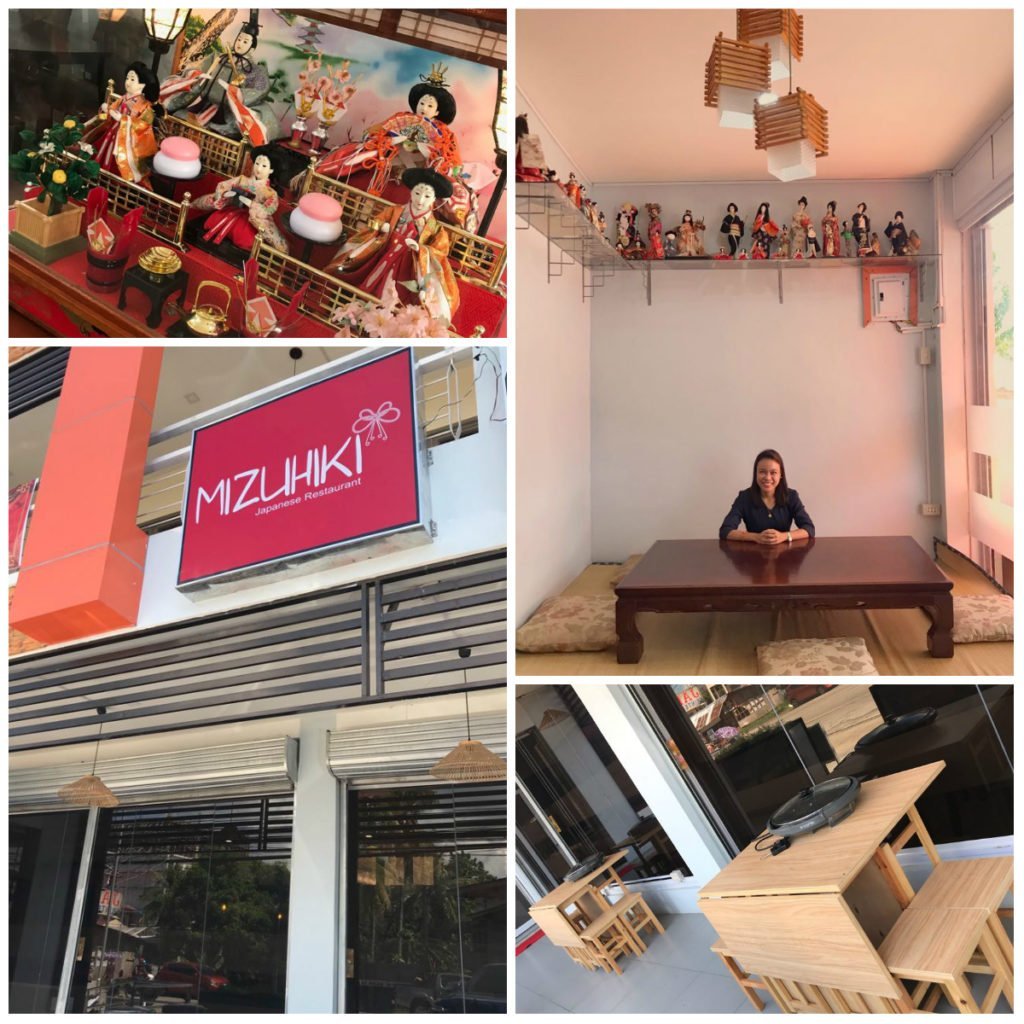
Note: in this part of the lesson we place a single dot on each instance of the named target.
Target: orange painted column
(82, 568)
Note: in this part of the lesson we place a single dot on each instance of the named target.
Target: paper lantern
(782, 31)
(794, 131)
(735, 75)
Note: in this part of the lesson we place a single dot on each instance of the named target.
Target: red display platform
(57, 296)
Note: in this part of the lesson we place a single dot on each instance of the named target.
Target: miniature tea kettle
(208, 319)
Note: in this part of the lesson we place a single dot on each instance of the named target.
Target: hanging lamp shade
(794, 131)
(470, 761)
(782, 31)
(552, 716)
(88, 791)
(735, 75)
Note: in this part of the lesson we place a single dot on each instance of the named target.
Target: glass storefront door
(190, 910)
(44, 856)
(427, 900)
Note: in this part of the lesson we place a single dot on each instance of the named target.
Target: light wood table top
(831, 858)
(568, 891)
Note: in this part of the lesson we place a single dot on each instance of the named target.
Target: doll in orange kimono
(421, 135)
(409, 250)
(126, 142)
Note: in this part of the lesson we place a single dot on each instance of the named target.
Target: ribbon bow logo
(373, 422)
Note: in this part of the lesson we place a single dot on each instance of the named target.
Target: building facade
(265, 699)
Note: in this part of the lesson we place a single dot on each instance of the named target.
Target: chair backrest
(811, 938)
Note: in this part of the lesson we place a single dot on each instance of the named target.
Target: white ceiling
(907, 92)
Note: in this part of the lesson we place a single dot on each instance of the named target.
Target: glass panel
(569, 769)
(429, 908)
(990, 414)
(537, 846)
(44, 855)
(192, 912)
(769, 742)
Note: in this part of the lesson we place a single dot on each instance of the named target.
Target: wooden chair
(607, 938)
(939, 945)
(980, 885)
(637, 915)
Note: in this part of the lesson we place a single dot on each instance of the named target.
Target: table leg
(631, 644)
(894, 876)
(940, 640)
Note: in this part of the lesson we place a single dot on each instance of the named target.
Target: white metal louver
(258, 767)
(403, 753)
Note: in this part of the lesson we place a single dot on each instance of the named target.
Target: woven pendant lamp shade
(470, 761)
(781, 30)
(794, 130)
(88, 791)
(735, 75)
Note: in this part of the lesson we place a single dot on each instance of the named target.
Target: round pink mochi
(177, 148)
(317, 206)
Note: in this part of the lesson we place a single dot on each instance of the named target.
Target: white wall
(686, 391)
(552, 359)
(467, 500)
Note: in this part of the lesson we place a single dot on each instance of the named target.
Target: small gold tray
(160, 260)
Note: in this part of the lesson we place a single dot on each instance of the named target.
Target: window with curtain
(990, 394)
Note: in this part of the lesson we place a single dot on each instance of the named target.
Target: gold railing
(218, 154)
(282, 276)
(163, 218)
(473, 258)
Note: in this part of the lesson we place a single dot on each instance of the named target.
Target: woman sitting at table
(771, 512)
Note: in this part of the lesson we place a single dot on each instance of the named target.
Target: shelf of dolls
(570, 233)
(877, 264)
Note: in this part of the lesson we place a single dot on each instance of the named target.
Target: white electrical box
(890, 297)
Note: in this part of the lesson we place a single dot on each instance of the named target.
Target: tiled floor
(677, 974)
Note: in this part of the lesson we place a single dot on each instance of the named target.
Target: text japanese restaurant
(257, 679)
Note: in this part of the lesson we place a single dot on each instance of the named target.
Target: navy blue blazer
(757, 518)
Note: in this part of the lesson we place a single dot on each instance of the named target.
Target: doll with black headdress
(225, 91)
(244, 206)
(125, 141)
(407, 251)
(421, 136)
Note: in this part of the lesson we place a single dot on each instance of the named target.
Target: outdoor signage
(331, 464)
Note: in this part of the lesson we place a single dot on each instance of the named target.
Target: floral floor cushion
(626, 568)
(582, 623)
(836, 656)
(982, 617)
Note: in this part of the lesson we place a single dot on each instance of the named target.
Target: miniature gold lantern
(783, 31)
(736, 74)
(794, 131)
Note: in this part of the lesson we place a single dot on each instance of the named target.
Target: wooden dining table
(584, 892)
(810, 919)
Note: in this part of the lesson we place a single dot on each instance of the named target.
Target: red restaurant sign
(333, 463)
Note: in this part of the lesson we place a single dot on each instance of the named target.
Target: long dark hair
(278, 168)
(150, 85)
(782, 490)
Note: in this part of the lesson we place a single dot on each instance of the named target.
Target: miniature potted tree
(47, 227)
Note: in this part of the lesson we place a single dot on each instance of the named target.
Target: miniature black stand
(157, 287)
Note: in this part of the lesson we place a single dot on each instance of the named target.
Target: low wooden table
(809, 920)
(824, 572)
